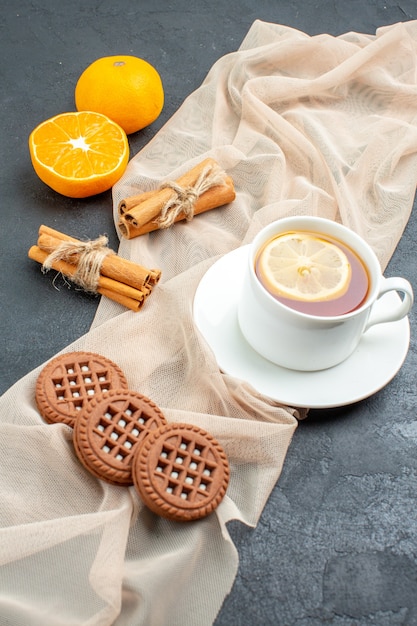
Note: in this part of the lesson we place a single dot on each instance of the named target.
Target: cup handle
(398, 312)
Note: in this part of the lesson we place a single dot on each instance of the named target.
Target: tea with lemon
(312, 273)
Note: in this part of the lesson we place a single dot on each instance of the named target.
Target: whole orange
(127, 89)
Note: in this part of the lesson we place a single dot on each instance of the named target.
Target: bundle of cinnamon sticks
(116, 278)
(206, 186)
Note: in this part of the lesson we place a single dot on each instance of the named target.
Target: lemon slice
(304, 266)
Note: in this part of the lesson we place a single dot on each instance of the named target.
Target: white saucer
(375, 362)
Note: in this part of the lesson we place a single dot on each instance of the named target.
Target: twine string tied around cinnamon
(184, 199)
(91, 255)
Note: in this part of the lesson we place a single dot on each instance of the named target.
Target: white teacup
(306, 342)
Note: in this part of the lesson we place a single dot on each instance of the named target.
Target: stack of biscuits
(180, 471)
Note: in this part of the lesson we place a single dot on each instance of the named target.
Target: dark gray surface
(337, 542)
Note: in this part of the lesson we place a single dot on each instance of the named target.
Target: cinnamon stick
(119, 292)
(129, 203)
(149, 207)
(139, 214)
(129, 303)
(211, 199)
(113, 266)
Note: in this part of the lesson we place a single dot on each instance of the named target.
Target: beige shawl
(304, 125)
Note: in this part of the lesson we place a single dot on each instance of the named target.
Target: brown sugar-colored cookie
(181, 472)
(108, 431)
(69, 381)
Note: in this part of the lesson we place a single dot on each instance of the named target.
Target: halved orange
(79, 154)
(304, 266)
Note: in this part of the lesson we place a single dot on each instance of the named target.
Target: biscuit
(181, 472)
(69, 381)
(108, 431)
